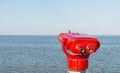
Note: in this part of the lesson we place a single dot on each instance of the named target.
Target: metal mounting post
(77, 71)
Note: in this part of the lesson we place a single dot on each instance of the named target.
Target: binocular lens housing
(81, 46)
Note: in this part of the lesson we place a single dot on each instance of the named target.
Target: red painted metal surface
(78, 48)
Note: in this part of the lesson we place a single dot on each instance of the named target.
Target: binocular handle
(65, 50)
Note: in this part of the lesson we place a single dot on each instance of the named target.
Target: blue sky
(50, 17)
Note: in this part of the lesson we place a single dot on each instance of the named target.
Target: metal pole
(77, 71)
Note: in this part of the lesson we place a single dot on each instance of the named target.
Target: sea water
(43, 54)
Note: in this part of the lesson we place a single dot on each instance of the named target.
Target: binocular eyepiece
(80, 46)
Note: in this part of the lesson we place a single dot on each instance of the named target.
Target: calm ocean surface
(43, 54)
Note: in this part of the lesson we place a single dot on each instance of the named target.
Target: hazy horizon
(51, 17)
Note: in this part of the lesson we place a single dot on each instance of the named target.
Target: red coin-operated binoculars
(77, 48)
